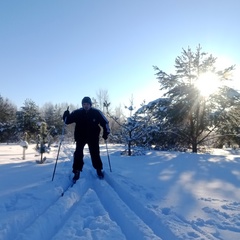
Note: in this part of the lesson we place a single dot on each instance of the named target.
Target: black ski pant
(93, 146)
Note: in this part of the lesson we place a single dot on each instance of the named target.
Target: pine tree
(7, 120)
(192, 114)
(28, 119)
(42, 137)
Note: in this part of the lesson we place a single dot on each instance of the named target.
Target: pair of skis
(70, 186)
(74, 182)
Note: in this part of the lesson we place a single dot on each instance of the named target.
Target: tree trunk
(129, 144)
(194, 146)
(129, 148)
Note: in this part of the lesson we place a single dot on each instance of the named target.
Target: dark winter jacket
(87, 123)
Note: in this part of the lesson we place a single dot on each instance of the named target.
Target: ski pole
(63, 128)
(109, 163)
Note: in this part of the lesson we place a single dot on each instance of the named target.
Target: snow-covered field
(160, 195)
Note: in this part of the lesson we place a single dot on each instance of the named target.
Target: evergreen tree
(42, 140)
(29, 119)
(7, 120)
(131, 131)
(152, 119)
(191, 114)
(52, 116)
(228, 132)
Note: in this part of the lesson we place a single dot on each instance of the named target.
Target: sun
(207, 83)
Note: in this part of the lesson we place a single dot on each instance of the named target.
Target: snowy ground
(161, 195)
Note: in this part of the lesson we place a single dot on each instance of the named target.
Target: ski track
(71, 207)
(163, 225)
(86, 205)
(20, 202)
(125, 216)
(43, 227)
(75, 206)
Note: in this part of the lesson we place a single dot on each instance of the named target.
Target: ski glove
(65, 114)
(105, 135)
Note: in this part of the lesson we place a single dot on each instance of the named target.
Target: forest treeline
(183, 117)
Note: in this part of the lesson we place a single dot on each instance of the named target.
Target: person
(87, 130)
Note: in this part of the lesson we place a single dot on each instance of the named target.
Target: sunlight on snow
(161, 195)
(236, 173)
(166, 175)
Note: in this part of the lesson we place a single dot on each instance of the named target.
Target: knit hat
(87, 100)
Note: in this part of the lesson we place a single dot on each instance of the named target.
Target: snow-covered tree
(52, 115)
(199, 93)
(42, 140)
(152, 119)
(7, 120)
(228, 132)
(28, 119)
(131, 131)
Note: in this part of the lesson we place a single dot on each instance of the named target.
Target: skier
(87, 131)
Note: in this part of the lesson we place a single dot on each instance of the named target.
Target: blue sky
(60, 51)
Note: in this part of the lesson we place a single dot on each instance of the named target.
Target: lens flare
(207, 83)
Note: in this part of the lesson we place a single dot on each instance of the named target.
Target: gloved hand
(65, 114)
(105, 135)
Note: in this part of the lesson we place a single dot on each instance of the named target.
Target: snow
(159, 195)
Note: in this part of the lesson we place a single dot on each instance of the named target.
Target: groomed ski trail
(86, 205)
(125, 223)
(95, 208)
